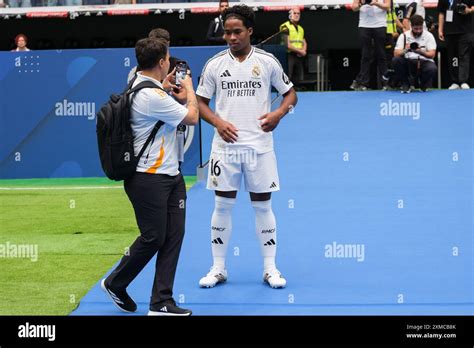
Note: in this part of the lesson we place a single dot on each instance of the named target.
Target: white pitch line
(61, 188)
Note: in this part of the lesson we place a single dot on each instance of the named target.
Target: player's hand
(269, 121)
(227, 131)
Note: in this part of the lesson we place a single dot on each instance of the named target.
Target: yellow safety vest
(391, 24)
(296, 37)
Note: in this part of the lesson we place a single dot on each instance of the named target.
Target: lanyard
(451, 3)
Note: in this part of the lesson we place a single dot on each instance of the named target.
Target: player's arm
(226, 130)
(270, 121)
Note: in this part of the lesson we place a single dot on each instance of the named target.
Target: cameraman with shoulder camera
(414, 55)
(456, 27)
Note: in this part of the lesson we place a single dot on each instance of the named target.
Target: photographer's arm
(399, 49)
(428, 54)
(385, 5)
(355, 5)
(441, 26)
(187, 96)
(469, 10)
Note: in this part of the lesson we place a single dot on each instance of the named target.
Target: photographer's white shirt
(426, 42)
(149, 106)
(372, 16)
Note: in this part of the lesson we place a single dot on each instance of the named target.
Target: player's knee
(224, 205)
(262, 207)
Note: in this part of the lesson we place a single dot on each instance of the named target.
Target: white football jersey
(243, 94)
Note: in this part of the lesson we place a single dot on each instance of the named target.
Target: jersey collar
(246, 58)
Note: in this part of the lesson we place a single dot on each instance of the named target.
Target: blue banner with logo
(48, 105)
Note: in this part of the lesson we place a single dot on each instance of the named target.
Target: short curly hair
(242, 12)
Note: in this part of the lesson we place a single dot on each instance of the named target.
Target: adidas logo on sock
(273, 185)
(217, 241)
(164, 309)
(270, 242)
(226, 74)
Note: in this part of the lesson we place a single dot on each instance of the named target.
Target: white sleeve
(207, 82)
(400, 40)
(165, 108)
(279, 79)
(430, 43)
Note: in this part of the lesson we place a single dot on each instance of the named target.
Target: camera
(414, 46)
(181, 71)
(461, 8)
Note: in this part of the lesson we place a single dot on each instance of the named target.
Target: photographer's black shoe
(120, 298)
(406, 89)
(355, 85)
(168, 308)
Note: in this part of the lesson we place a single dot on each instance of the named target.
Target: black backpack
(115, 137)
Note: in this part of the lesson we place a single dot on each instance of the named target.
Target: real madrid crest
(256, 71)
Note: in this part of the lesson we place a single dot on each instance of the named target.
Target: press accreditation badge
(449, 15)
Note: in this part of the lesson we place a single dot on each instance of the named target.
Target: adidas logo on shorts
(273, 185)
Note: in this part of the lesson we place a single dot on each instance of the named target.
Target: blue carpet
(398, 188)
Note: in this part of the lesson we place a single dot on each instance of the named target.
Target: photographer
(372, 33)
(414, 8)
(456, 27)
(414, 55)
(157, 190)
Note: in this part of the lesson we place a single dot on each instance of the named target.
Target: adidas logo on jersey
(270, 242)
(273, 185)
(226, 74)
(217, 241)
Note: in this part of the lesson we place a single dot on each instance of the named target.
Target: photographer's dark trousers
(159, 204)
(460, 46)
(407, 69)
(373, 42)
(295, 68)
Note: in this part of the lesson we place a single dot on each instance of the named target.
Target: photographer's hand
(182, 92)
(169, 81)
(468, 10)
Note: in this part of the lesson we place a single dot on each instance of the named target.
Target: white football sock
(266, 231)
(221, 229)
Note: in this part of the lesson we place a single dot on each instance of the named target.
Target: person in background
(21, 41)
(456, 27)
(414, 55)
(19, 3)
(297, 47)
(372, 34)
(215, 32)
(414, 8)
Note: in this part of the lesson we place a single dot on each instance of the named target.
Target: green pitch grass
(81, 228)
